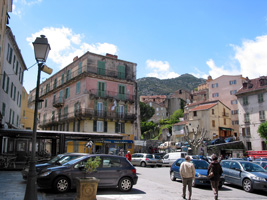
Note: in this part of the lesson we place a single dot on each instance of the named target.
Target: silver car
(244, 173)
(144, 159)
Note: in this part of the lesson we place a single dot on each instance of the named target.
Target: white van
(169, 158)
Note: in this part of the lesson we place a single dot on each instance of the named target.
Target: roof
(251, 85)
(204, 107)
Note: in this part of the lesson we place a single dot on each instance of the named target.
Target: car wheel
(61, 184)
(247, 185)
(125, 184)
(172, 176)
(143, 164)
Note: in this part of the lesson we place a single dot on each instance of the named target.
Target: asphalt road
(153, 184)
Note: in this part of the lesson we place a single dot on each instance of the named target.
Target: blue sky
(166, 38)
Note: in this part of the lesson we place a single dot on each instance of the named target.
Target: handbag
(211, 175)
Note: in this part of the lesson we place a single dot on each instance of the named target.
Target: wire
(31, 66)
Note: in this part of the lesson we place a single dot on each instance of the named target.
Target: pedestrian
(121, 153)
(129, 156)
(216, 169)
(187, 172)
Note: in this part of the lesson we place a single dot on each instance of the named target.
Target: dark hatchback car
(217, 141)
(113, 172)
(60, 159)
(246, 174)
(201, 176)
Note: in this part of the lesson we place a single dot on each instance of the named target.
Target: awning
(117, 141)
(226, 129)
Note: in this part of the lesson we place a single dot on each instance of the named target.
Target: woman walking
(215, 169)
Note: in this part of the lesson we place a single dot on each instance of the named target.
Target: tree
(262, 130)
(146, 112)
(174, 118)
(198, 137)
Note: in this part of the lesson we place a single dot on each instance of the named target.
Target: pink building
(94, 93)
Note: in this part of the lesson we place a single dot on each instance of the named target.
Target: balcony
(58, 102)
(82, 114)
(94, 93)
(224, 114)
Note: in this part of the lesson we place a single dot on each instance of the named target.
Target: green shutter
(80, 68)
(101, 67)
(105, 126)
(126, 109)
(78, 86)
(95, 126)
(116, 127)
(95, 105)
(121, 72)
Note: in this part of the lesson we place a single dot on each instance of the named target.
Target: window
(100, 109)
(260, 98)
(14, 94)
(214, 85)
(262, 115)
(14, 63)
(78, 87)
(121, 72)
(111, 162)
(246, 117)
(121, 92)
(44, 118)
(101, 67)
(5, 84)
(195, 113)
(45, 103)
(67, 92)
(80, 68)
(9, 53)
(66, 112)
(20, 74)
(11, 90)
(212, 111)
(234, 112)
(101, 89)
(246, 132)
(245, 100)
(39, 105)
(233, 102)
(213, 123)
(249, 146)
(233, 92)
(47, 88)
(233, 82)
(235, 165)
(55, 84)
(263, 145)
(215, 95)
(224, 121)
(121, 111)
(100, 126)
(119, 127)
(3, 109)
(62, 78)
(17, 66)
(68, 75)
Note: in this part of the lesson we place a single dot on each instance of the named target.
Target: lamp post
(41, 50)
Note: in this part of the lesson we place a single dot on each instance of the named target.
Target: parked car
(229, 139)
(244, 173)
(113, 172)
(158, 159)
(262, 163)
(170, 158)
(217, 141)
(60, 159)
(143, 159)
(201, 176)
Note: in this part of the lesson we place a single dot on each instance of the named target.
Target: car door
(110, 171)
(235, 173)
(177, 168)
(226, 168)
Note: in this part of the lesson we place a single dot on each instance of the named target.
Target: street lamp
(41, 50)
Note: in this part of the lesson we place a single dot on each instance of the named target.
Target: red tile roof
(253, 85)
(204, 107)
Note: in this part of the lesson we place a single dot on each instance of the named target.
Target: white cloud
(199, 74)
(18, 6)
(65, 45)
(160, 69)
(251, 56)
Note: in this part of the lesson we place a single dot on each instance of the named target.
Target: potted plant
(87, 186)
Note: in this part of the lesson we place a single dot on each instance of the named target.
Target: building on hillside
(178, 131)
(27, 114)
(156, 98)
(224, 89)
(200, 96)
(213, 116)
(13, 68)
(252, 108)
(94, 93)
(182, 94)
(160, 112)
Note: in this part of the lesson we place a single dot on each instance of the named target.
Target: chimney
(111, 56)
(75, 58)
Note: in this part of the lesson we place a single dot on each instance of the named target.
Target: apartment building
(27, 114)
(213, 116)
(13, 68)
(224, 89)
(94, 93)
(155, 98)
(252, 108)
(160, 112)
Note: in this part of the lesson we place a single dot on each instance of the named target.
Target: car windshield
(55, 159)
(149, 156)
(200, 164)
(251, 167)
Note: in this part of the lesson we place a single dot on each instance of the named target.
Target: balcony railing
(224, 114)
(58, 102)
(87, 113)
(112, 95)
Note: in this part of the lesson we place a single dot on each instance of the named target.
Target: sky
(165, 38)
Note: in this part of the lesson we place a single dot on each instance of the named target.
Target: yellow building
(27, 114)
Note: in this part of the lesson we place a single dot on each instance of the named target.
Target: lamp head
(41, 48)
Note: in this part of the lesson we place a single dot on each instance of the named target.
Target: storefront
(257, 154)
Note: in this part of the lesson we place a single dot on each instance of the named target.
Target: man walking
(187, 172)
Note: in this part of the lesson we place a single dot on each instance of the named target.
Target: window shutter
(126, 109)
(116, 127)
(105, 126)
(95, 126)
(95, 106)
(122, 127)
(80, 68)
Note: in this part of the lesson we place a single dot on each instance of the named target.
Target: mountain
(154, 86)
